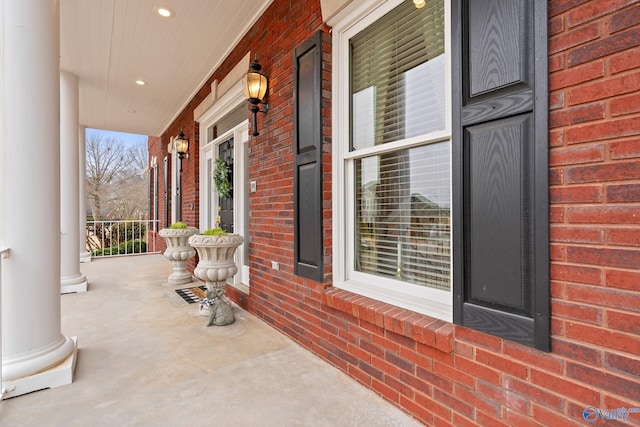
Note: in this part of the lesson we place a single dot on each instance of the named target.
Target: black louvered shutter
(500, 168)
(307, 111)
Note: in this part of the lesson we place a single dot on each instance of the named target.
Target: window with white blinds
(398, 76)
(403, 215)
(402, 197)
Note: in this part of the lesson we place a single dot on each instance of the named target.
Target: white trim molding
(219, 89)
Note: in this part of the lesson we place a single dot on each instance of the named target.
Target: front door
(229, 213)
(225, 205)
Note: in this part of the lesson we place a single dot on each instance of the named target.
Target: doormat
(192, 295)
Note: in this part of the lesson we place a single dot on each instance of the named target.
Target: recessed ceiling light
(141, 82)
(419, 3)
(163, 11)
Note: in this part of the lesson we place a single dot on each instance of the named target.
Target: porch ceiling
(109, 44)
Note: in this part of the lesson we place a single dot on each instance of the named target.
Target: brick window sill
(426, 330)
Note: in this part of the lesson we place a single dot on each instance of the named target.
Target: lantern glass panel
(254, 85)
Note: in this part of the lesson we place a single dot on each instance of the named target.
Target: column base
(73, 284)
(85, 257)
(179, 279)
(59, 375)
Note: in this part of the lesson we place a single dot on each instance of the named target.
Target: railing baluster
(124, 237)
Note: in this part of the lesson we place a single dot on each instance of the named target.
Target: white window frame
(433, 302)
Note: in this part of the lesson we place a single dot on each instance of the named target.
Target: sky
(128, 139)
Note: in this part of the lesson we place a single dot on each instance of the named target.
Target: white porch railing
(120, 238)
(4, 253)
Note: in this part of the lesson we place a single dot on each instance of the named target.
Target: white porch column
(72, 280)
(85, 255)
(35, 354)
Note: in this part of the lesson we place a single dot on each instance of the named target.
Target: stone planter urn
(178, 252)
(215, 266)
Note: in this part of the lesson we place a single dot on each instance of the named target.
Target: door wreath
(221, 179)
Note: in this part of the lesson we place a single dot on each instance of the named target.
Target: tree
(114, 184)
(130, 198)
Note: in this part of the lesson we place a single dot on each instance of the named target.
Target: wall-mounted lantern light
(182, 146)
(254, 85)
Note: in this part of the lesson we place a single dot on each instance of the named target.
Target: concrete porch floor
(144, 361)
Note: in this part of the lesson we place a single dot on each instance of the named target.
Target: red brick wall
(594, 60)
(441, 373)
(154, 145)
(190, 170)
(282, 27)
(275, 294)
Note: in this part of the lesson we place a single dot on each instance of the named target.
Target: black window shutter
(500, 168)
(307, 113)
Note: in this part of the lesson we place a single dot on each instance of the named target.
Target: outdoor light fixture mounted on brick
(254, 85)
(182, 146)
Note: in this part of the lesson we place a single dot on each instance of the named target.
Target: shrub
(133, 247)
(215, 232)
(178, 225)
(128, 230)
(128, 247)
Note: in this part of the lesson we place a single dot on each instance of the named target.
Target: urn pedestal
(216, 264)
(178, 252)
